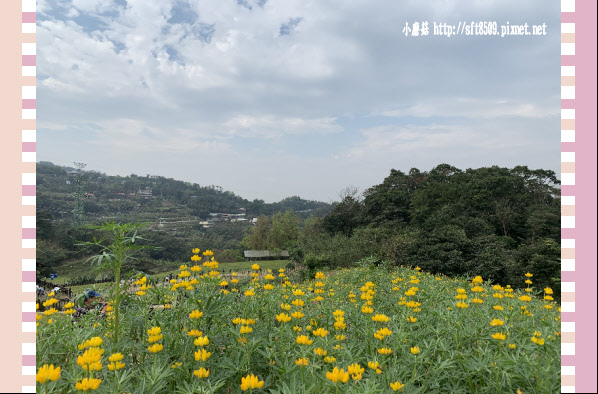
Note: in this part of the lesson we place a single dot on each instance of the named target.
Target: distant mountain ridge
(150, 197)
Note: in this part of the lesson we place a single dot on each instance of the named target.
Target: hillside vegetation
(496, 222)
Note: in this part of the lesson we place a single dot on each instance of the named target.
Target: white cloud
(220, 75)
(471, 107)
(269, 126)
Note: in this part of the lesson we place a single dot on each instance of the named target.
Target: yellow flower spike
(499, 336)
(304, 340)
(116, 366)
(246, 329)
(115, 357)
(283, 317)
(329, 359)
(415, 350)
(380, 318)
(47, 373)
(202, 373)
(251, 382)
(88, 384)
(355, 370)
(154, 331)
(195, 314)
(155, 348)
(385, 351)
(320, 332)
(155, 338)
(202, 355)
(337, 375)
(302, 362)
(396, 386)
(375, 365)
(320, 352)
(496, 322)
(202, 341)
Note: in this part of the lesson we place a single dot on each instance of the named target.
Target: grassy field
(360, 330)
(73, 269)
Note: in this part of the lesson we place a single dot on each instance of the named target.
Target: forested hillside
(496, 222)
(180, 215)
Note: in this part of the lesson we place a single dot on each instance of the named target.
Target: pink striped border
(568, 195)
(571, 145)
(578, 176)
(28, 180)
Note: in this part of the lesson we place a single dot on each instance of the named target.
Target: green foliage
(458, 353)
(120, 249)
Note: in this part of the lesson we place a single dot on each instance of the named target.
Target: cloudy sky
(274, 98)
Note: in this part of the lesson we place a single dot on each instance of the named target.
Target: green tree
(284, 230)
(257, 239)
(345, 216)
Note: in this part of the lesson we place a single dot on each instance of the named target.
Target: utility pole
(78, 211)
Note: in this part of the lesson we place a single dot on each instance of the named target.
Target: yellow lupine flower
(115, 357)
(298, 302)
(246, 330)
(384, 350)
(320, 332)
(154, 331)
(337, 375)
(304, 340)
(194, 333)
(283, 317)
(154, 338)
(367, 309)
(202, 355)
(155, 348)
(320, 352)
(355, 369)
(396, 386)
(499, 336)
(202, 373)
(302, 362)
(251, 382)
(47, 373)
(88, 384)
(415, 350)
(201, 341)
(116, 366)
(375, 365)
(380, 318)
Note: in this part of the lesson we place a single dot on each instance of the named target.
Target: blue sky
(277, 98)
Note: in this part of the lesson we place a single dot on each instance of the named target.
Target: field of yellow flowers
(360, 330)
